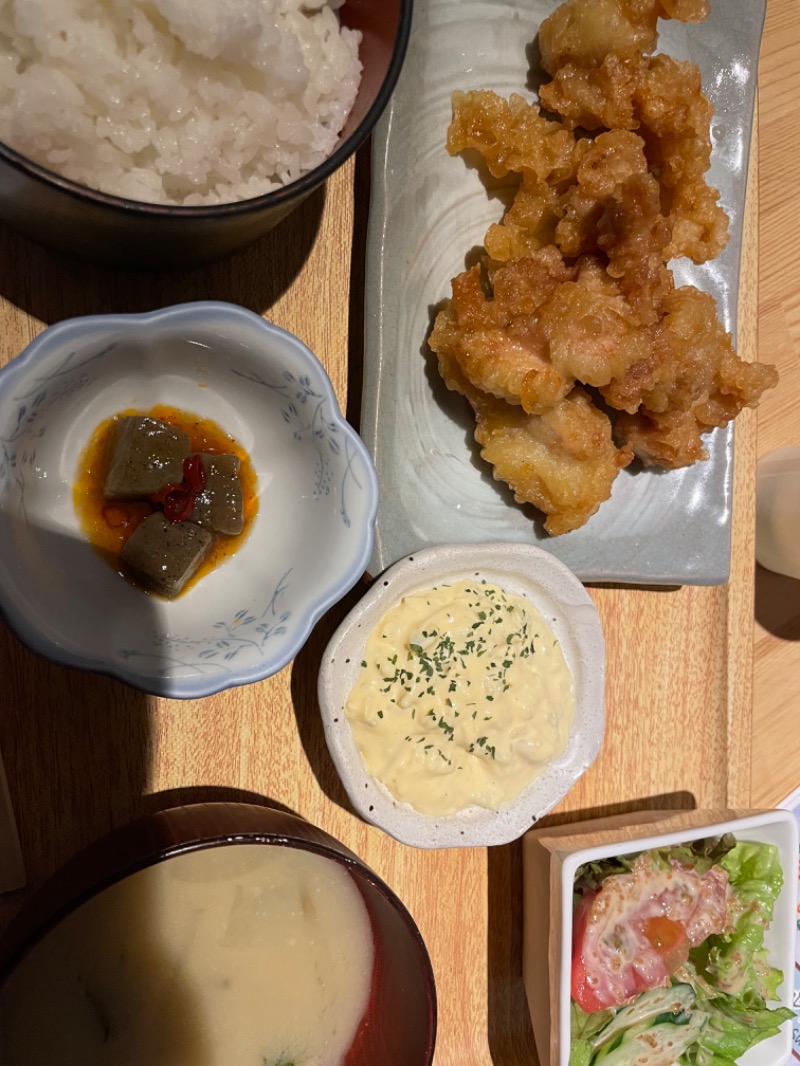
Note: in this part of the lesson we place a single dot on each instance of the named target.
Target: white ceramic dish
(771, 827)
(309, 542)
(520, 569)
(428, 212)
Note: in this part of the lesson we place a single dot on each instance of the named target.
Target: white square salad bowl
(771, 827)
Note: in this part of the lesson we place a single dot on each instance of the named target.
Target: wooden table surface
(776, 660)
(689, 723)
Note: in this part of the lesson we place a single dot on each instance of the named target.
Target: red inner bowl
(398, 1027)
(380, 25)
(87, 223)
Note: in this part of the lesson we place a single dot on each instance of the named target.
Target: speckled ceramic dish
(520, 569)
(317, 496)
(429, 211)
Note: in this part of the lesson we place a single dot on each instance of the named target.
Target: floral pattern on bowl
(317, 494)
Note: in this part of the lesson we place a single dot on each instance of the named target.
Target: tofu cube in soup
(146, 455)
(163, 555)
(218, 506)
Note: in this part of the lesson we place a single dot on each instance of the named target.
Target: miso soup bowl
(398, 1027)
(93, 225)
(308, 544)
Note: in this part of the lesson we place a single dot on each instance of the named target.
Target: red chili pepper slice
(194, 473)
(161, 495)
(178, 498)
(178, 503)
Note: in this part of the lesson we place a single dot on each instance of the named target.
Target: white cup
(778, 511)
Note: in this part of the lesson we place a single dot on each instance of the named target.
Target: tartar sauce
(463, 697)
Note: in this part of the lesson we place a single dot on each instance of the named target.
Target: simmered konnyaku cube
(163, 555)
(218, 506)
(146, 455)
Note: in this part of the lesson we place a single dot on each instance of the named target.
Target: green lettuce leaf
(737, 962)
(730, 974)
(730, 1032)
(701, 854)
(583, 1027)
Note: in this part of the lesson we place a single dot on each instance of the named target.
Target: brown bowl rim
(285, 195)
(32, 924)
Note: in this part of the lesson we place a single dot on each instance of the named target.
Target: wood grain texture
(776, 661)
(86, 753)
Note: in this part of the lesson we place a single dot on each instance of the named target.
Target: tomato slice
(633, 932)
(582, 988)
(669, 939)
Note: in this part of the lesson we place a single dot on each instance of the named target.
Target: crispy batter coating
(687, 347)
(609, 160)
(498, 342)
(512, 136)
(693, 381)
(564, 462)
(662, 100)
(574, 302)
(592, 333)
(670, 440)
(529, 224)
(673, 438)
(542, 326)
(585, 31)
(633, 233)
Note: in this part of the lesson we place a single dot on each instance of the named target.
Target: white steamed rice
(176, 101)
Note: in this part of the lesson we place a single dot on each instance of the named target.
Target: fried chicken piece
(592, 334)
(498, 342)
(685, 348)
(662, 100)
(674, 438)
(736, 385)
(514, 139)
(563, 462)
(674, 116)
(699, 222)
(608, 161)
(675, 121)
(670, 440)
(611, 158)
(594, 98)
(693, 381)
(634, 235)
(511, 136)
(585, 31)
(542, 326)
(529, 224)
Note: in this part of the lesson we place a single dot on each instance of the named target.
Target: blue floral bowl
(308, 544)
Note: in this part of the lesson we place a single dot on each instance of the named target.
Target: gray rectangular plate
(428, 211)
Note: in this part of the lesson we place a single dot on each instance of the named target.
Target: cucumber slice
(656, 1001)
(661, 1044)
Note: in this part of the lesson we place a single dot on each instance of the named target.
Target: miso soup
(245, 955)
